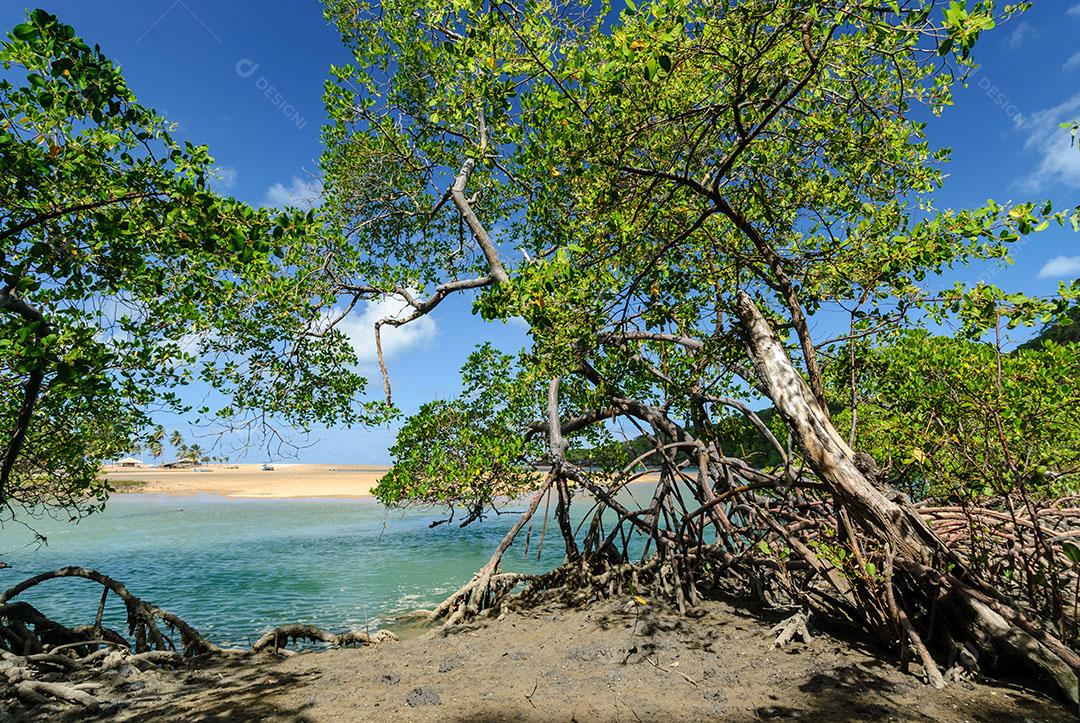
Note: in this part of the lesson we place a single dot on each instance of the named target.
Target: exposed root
(37, 691)
(794, 626)
(141, 616)
(794, 548)
(488, 587)
(45, 664)
(281, 635)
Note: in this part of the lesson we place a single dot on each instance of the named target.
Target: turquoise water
(234, 568)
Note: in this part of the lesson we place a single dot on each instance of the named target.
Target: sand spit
(251, 480)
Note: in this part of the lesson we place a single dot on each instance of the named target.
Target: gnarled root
(282, 634)
(36, 652)
(788, 630)
(484, 592)
(488, 587)
(141, 616)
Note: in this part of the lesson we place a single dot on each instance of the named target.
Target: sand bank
(250, 480)
(285, 481)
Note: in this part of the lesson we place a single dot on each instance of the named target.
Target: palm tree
(157, 439)
(194, 453)
(176, 439)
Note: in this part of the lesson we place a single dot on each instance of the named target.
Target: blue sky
(246, 79)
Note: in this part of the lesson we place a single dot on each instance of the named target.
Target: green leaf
(650, 69)
(24, 31)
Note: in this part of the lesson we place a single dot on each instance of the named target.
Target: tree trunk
(884, 516)
(890, 518)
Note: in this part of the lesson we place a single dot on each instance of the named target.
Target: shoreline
(250, 481)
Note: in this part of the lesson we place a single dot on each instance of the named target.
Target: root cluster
(1000, 590)
(46, 666)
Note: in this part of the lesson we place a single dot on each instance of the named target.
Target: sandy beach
(250, 480)
(285, 481)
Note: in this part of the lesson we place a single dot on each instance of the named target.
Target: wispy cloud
(1058, 158)
(1073, 62)
(1023, 33)
(223, 178)
(299, 193)
(396, 340)
(1074, 11)
(1060, 267)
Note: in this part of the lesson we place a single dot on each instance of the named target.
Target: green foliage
(637, 170)
(731, 432)
(124, 277)
(947, 421)
(472, 449)
(1062, 329)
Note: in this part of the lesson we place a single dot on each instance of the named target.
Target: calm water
(234, 568)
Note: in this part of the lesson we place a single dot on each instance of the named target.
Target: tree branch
(42, 218)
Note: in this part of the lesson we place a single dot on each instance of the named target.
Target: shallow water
(236, 567)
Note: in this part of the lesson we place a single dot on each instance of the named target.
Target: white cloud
(223, 178)
(1060, 267)
(1021, 35)
(1073, 62)
(1074, 11)
(1058, 157)
(396, 340)
(299, 193)
(518, 322)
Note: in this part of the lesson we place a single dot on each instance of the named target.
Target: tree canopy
(671, 195)
(126, 277)
(616, 180)
(952, 419)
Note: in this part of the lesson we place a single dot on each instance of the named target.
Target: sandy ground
(603, 663)
(249, 480)
(285, 481)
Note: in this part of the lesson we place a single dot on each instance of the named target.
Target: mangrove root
(280, 636)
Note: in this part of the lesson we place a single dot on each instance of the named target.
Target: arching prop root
(488, 587)
(142, 618)
(45, 663)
